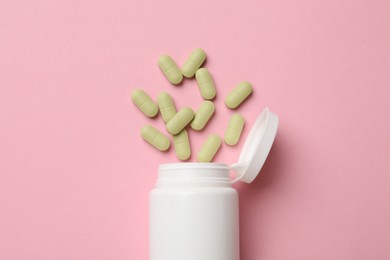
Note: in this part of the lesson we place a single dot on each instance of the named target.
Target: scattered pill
(176, 122)
(238, 95)
(205, 83)
(182, 145)
(194, 61)
(170, 69)
(180, 120)
(209, 148)
(203, 115)
(144, 102)
(155, 138)
(234, 129)
(166, 106)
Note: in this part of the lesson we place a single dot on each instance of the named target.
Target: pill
(180, 120)
(182, 145)
(170, 69)
(238, 95)
(234, 129)
(144, 102)
(203, 115)
(194, 61)
(155, 138)
(205, 83)
(209, 148)
(166, 106)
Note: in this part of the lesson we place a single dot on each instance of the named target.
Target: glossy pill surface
(182, 145)
(203, 115)
(209, 148)
(205, 83)
(193, 62)
(155, 138)
(180, 120)
(143, 101)
(166, 106)
(170, 69)
(234, 129)
(238, 95)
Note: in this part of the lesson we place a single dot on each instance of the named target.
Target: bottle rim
(193, 175)
(192, 165)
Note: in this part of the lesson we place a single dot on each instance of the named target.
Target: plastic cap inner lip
(256, 147)
(254, 138)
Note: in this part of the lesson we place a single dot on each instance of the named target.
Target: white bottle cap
(256, 147)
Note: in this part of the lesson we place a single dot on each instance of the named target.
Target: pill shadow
(273, 171)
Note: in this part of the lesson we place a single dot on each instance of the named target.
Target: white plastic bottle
(193, 207)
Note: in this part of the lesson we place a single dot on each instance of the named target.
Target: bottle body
(194, 218)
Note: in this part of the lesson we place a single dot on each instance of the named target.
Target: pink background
(75, 175)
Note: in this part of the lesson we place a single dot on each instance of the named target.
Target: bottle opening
(193, 175)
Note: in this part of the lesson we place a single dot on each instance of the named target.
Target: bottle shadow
(252, 195)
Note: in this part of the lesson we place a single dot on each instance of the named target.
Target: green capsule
(234, 129)
(194, 61)
(203, 115)
(166, 106)
(144, 103)
(155, 138)
(180, 120)
(170, 69)
(238, 95)
(209, 148)
(205, 83)
(182, 145)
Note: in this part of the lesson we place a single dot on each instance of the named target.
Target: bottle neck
(196, 175)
